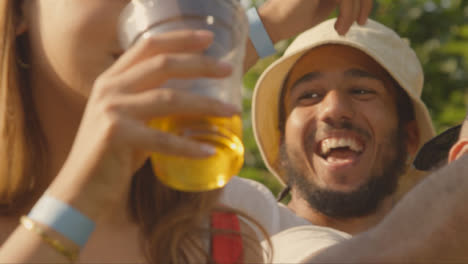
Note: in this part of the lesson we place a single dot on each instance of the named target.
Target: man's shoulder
(241, 190)
(308, 241)
(257, 201)
(253, 199)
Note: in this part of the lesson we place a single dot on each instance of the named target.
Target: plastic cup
(226, 19)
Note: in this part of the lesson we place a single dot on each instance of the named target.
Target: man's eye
(309, 95)
(363, 93)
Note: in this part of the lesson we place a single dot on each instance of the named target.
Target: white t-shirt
(298, 244)
(294, 239)
(256, 200)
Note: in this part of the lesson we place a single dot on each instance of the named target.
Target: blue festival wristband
(62, 218)
(258, 35)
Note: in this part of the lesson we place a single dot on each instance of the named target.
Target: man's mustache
(341, 126)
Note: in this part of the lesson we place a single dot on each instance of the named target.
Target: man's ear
(22, 22)
(412, 137)
(457, 150)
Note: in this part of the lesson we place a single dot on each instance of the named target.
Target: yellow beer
(201, 174)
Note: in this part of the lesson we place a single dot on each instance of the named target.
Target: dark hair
(405, 108)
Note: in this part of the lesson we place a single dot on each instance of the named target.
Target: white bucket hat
(374, 39)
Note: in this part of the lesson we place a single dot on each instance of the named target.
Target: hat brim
(434, 153)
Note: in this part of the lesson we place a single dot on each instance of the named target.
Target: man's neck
(350, 225)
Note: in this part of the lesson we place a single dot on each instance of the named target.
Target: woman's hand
(284, 19)
(113, 140)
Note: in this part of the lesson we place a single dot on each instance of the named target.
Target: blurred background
(437, 31)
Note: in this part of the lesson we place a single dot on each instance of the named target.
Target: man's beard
(361, 202)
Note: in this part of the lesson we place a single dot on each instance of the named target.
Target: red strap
(226, 248)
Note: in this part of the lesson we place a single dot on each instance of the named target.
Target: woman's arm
(284, 19)
(113, 139)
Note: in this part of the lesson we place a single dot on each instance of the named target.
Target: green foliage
(438, 32)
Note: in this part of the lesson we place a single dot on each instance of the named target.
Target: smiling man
(338, 120)
(427, 226)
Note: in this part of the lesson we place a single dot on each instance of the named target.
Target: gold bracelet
(30, 225)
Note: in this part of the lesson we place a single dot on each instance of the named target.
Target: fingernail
(341, 32)
(362, 21)
(230, 109)
(338, 28)
(224, 67)
(208, 149)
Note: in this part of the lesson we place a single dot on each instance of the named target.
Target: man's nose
(335, 107)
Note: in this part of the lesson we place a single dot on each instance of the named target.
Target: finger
(147, 139)
(186, 41)
(349, 13)
(356, 10)
(154, 72)
(325, 8)
(346, 17)
(166, 101)
(366, 9)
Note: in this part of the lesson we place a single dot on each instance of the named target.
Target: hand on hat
(285, 19)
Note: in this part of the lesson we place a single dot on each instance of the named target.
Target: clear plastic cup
(226, 19)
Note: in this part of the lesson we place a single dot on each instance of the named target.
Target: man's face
(342, 137)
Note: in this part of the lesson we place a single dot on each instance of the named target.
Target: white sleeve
(253, 199)
(293, 238)
(297, 244)
(256, 200)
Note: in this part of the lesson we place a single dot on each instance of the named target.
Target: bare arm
(24, 246)
(284, 19)
(112, 143)
(428, 225)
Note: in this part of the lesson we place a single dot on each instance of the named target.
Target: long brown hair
(22, 145)
(174, 224)
(171, 222)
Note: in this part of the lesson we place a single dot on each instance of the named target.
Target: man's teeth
(332, 143)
